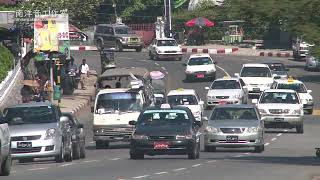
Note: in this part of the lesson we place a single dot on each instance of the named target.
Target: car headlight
(262, 111)
(188, 72)
(50, 133)
(210, 71)
(158, 51)
(212, 129)
(296, 111)
(139, 137)
(182, 137)
(304, 101)
(253, 129)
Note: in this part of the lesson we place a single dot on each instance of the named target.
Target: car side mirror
(198, 123)
(92, 109)
(205, 118)
(254, 101)
(263, 119)
(206, 88)
(80, 126)
(64, 119)
(237, 74)
(132, 123)
(309, 91)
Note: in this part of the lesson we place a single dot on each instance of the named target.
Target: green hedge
(6, 62)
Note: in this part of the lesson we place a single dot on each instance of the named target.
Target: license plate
(232, 138)
(279, 119)
(200, 75)
(256, 89)
(222, 102)
(24, 145)
(160, 145)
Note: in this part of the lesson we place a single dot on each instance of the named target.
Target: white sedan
(165, 48)
(200, 66)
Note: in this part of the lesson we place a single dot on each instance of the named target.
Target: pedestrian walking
(84, 73)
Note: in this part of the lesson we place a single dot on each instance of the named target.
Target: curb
(81, 106)
(275, 54)
(209, 51)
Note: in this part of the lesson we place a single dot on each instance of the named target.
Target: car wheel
(136, 155)
(69, 155)
(119, 47)
(139, 49)
(76, 150)
(6, 166)
(299, 129)
(193, 152)
(83, 150)
(210, 148)
(310, 111)
(259, 149)
(60, 157)
(180, 59)
(99, 45)
(102, 144)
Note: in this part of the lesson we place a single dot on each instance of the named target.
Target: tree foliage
(6, 62)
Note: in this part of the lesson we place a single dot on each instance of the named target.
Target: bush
(6, 62)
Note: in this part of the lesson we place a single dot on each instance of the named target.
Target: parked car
(118, 36)
(5, 153)
(38, 130)
(77, 136)
(165, 48)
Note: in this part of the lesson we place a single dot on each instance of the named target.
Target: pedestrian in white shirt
(84, 73)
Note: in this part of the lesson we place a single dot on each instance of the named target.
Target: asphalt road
(287, 155)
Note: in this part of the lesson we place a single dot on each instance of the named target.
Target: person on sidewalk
(84, 73)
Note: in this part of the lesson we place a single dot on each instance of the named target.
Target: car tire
(6, 166)
(76, 150)
(68, 157)
(259, 149)
(210, 149)
(180, 59)
(60, 157)
(299, 129)
(99, 45)
(194, 152)
(136, 155)
(306, 68)
(310, 111)
(119, 47)
(139, 49)
(83, 150)
(102, 144)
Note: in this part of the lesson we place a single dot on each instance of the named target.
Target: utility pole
(167, 13)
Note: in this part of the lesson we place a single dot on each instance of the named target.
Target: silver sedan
(234, 126)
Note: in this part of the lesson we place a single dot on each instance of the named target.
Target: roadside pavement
(80, 98)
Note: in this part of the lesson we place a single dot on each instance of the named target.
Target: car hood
(197, 68)
(115, 118)
(278, 106)
(233, 123)
(224, 92)
(257, 80)
(31, 129)
(162, 130)
(305, 96)
(168, 48)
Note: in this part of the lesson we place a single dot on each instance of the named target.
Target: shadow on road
(303, 160)
(310, 78)
(111, 146)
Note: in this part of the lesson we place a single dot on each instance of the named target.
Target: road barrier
(210, 51)
(276, 54)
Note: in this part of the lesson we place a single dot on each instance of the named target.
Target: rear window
(30, 115)
(234, 114)
(161, 117)
(176, 100)
(299, 88)
(255, 72)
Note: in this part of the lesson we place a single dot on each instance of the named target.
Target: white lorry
(300, 49)
(115, 106)
(5, 155)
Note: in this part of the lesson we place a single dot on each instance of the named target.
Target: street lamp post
(167, 12)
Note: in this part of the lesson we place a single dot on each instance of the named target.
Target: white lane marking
(273, 139)
(280, 134)
(139, 177)
(211, 161)
(157, 64)
(196, 165)
(223, 70)
(247, 153)
(159, 173)
(64, 165)
(240, 155)
(163, 68)
(89, 161)
(180, 169)
(36, 169)
(114, 159)
(267, 144)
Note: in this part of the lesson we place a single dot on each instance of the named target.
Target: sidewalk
(81, 98)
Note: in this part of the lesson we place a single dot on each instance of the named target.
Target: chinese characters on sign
(28, 15)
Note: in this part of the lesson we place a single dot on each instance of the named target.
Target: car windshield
(255, 72)
(122, 30)
(200, 61)
(167, 43)
(279, 97)
(163, 117)
(229, 113)
(277, 67)
(122, 102)
(300, 88)
(29, 115)
(182, 100)
(229, 84)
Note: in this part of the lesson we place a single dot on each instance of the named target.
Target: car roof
(255, 65)
(137, 71)
(199, 55)
(280, 90)
(117, 90)
(164, 39)
(32, 104)
(286, 81)
(182, 92)
(171, 108)
(236, 106)
(227, 79)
